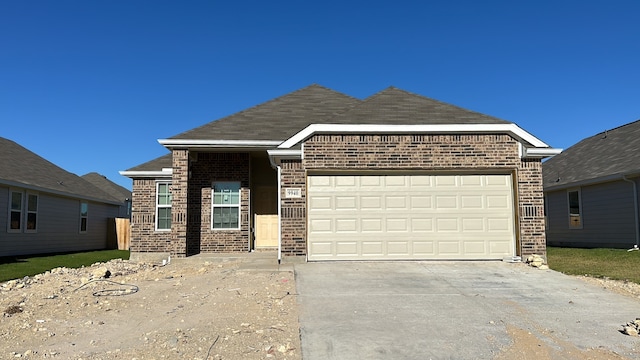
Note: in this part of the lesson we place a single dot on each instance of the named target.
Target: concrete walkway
(452, 310)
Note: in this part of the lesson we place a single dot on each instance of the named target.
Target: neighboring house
(591, 191)
(45, 209)
(320, 175)
(118, 192)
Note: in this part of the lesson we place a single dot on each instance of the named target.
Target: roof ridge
(614, 129)
(242, 112)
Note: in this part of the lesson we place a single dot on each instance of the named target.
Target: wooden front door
(266, 231)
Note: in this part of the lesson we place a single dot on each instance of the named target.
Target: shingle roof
(395, 106)
(157, 164)
(100, 181)
(611, 152)
(277, 119)
(18, 166)
(281, 118)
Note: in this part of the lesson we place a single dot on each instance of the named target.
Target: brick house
(320, 175)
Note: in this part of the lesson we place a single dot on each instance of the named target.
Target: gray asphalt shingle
(612, 152)
(19, 165)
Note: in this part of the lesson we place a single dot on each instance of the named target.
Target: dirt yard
(181, 311)
(185, 311)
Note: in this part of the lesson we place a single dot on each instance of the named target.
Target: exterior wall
(179, 206)
(607, 217)
(144, 237)
(423, 152)
(293, 213)
(531, 207)
(210, 167)
(58, 226)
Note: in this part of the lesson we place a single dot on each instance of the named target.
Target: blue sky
(92, 85)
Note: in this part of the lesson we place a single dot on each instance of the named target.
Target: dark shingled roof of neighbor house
(20, 166)
(612, 152)
(108, 186)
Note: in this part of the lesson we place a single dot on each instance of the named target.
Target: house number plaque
(292, 193)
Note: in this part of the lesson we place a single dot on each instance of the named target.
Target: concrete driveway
(457, 310)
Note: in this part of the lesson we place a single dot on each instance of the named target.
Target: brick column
(531, 208)
(179, 189)
(294, 216)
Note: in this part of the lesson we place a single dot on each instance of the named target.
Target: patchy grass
(616, 264)
(21, 266)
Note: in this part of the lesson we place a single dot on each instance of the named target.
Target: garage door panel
(397, 225)
(447, 225)
(420, 202)
(346, 248)
(396, 202)
(471, 225)
(320, 203)
(410, 217)
(371, 202)
(373, 248)
(320, 226)
(423, 248)
(421, 225)
(398, 248)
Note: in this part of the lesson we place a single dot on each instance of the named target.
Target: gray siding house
(120, 193)
(45, 209)
(591, 191)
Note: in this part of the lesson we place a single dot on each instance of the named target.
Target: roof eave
(156, 174)
(218, 144)
(512, 129)
(594, 181)
(277, 155)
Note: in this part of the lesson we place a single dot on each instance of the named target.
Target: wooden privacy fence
(123, 233)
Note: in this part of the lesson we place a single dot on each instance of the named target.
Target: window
(225, 205)
(575, 209)
(84, 215)
(163, 206)
(15, 211)
(32, 212)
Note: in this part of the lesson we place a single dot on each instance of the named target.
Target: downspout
(279, 214)
(635, 206)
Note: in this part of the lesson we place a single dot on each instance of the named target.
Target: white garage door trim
(410, 217)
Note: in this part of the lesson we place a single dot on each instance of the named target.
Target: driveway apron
(452, 310)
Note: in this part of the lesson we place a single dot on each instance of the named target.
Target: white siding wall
(58, 227)
(607, 217)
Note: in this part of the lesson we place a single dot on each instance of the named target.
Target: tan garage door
(389, 217)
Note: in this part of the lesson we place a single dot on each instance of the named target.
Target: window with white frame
(84, 216)
(15, 211)
(163, 206)
(32, 212)
(574, 201)
(225, 212)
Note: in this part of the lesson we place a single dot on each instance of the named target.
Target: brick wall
(205, 169)
(437, 153)
(179, 203)
(293, 212)
(144, 237)
(531, 208)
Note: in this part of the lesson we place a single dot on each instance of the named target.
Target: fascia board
(541, 152)
(275, 155)
(199, 143)
(147, 174)
(512, 129)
